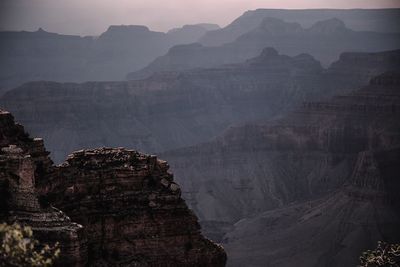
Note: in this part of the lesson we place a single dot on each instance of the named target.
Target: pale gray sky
(88, 17)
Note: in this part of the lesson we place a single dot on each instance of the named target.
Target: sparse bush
(19, 248)
(384, 255)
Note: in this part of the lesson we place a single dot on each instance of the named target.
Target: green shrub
(384, 255)
(19, 248)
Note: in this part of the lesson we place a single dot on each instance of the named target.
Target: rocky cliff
(22, 161)
(128, 207)
(304, 155)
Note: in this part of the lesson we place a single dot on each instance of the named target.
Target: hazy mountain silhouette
(191, 33)
(325, 40)
(377, 20)
(40, 55)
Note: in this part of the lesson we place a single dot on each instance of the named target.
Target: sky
(92, 17)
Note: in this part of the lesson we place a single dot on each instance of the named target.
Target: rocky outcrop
(129, 209)
(21, 161)
(132, 210)
(324, 40)
(304, 155)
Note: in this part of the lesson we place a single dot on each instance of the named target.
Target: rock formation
(129, 209)
(22, 160)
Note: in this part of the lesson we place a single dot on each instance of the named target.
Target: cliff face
(22, 160)
(306, 154)
(127, 205)
(132, 210)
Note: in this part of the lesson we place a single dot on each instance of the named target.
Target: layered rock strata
(305, 155)
(129, 210)
(330, 231)
(132, 210)
(21, 161)
(174, 110)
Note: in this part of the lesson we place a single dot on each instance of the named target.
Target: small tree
(19, 248)
(384, 255)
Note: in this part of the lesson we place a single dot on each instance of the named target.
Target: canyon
(314, 188)
(172, 110)
(277, 140)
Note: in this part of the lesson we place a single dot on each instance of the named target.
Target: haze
(91, 17)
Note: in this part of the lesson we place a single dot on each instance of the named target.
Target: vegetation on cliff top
(19, 248)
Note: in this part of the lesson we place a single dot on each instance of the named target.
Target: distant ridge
(41, 55)
(325, 40)
(378, 20)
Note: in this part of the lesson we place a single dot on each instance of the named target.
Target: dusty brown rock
(130, 211)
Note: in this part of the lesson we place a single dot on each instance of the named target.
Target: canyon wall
(166, 111)
(306, 154)
(172, 110)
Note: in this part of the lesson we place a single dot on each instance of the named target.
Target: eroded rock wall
(114, 206)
